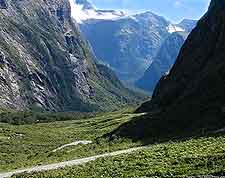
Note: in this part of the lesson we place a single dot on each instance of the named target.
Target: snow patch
(173, 28)
(73, 58)
(80, 14)
(81, 142)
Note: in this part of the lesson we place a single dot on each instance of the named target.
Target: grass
(28, 145)
(195, 157)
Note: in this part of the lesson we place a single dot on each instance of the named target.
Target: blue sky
(174, 10)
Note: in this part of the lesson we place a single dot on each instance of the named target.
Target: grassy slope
(28, 145)
(202, 156)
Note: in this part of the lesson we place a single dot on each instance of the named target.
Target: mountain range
(127, 43)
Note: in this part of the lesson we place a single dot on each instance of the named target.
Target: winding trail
(69, 163)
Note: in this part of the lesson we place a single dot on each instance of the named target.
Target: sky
(174, 10)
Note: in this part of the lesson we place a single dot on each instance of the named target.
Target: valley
(87, 92)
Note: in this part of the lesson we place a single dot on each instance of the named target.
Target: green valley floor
(24, 146)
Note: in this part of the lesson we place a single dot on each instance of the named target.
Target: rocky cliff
(46, 64)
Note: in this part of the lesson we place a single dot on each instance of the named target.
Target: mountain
(126, 43)
(190, 100)
(46, 64)
(163, 61)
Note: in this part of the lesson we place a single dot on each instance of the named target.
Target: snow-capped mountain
(83, 10)
(127, 43)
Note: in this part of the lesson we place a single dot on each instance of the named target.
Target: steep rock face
(163, 61)
(193, 92)
(45, 63)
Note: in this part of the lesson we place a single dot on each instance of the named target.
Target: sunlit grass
(29, 145)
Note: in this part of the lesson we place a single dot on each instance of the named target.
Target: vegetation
(28, 145)
(29, 117)
(202, 156)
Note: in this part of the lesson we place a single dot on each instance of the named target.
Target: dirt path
(68, 163)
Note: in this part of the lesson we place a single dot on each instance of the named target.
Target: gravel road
(68, 163)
